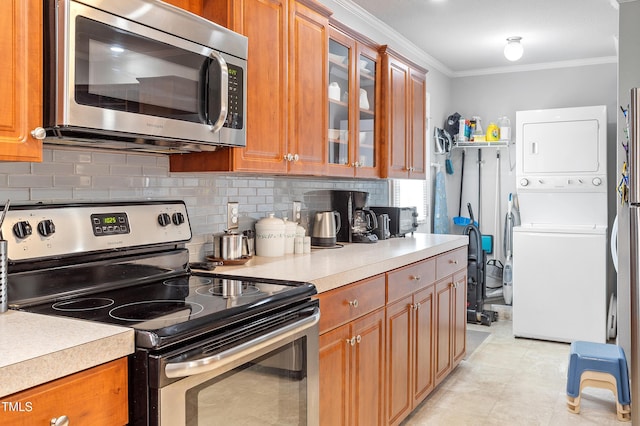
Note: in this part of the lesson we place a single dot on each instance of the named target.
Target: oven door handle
(210, 363)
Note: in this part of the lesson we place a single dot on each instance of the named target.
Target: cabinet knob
(60, 421)
(358, 338)
(453, 261)
(351, 341)
(354, 303)
(296, 157)
(414, 277)
(39, 133)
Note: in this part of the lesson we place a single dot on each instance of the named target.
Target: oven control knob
(164, 219)
(22, 229)
(46, 227)
(178, 218)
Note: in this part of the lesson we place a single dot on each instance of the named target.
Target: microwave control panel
(235, 119)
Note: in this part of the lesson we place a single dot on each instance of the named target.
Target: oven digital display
(110, 224)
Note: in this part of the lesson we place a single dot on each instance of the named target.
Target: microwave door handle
(224, 91)
(210, 363)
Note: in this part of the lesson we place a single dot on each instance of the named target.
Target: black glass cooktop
(180, 307)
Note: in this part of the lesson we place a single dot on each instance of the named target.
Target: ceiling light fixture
(513, 50)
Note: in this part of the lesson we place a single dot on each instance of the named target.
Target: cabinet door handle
(453, 261)
(38, 133)
(415, 277)
(60, 421)
(358, 338)
(288, 157)
(296, 157)
(354, 303)
(351, 341)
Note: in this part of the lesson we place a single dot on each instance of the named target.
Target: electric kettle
(325, 227)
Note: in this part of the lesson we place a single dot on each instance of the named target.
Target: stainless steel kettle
(230, 246)
(325, 227)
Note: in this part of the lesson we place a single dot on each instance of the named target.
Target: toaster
(402, 220)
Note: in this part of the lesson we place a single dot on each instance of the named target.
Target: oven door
(269, 380)
(115, 76)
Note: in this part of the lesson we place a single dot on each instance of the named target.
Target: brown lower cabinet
(410, 353)
(451, 315)
(352, 354)
(352, 372)
(387, 341)
(96, 397)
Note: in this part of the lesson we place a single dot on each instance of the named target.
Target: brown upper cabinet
(193, 6)
(352, 139)
(21, 85)
(403, 117)
(286, 73)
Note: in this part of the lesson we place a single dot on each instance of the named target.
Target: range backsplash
(92, 175)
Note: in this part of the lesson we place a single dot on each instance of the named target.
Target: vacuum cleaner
(476, 276)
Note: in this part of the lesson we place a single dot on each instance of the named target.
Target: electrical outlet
(297, 211)
(232, 215)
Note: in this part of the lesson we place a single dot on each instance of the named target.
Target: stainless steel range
(206, 343)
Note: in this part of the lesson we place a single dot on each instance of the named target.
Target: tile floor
(509, 381)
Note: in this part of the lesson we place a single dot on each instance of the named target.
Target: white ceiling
(467, 37)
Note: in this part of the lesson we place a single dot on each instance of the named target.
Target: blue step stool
(598, 365)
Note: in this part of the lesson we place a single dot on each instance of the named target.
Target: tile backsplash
(66, 175)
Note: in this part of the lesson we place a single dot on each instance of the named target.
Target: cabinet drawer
(97, 396)
(344, 304)
(406, 280)
(450, 262)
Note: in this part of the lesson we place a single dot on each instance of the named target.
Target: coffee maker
(358, 222)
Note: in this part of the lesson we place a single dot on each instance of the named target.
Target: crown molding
(394, 39)
(537, 67)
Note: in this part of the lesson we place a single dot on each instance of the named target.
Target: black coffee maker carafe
(358, 222)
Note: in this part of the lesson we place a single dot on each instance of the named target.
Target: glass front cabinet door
(353, 93)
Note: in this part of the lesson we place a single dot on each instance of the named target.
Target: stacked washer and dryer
(560, 249)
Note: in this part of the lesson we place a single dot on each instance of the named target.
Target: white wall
(491, 96)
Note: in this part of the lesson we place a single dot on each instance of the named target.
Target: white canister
(270, 236)
(290, 229)
(334, 91)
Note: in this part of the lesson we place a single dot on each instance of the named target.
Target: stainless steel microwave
(142, 75)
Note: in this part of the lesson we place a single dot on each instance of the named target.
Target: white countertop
(332, 268)
(35, 349)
